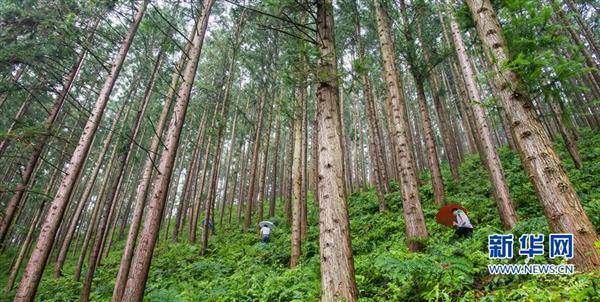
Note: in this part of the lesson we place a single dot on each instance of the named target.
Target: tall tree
(297, 180)
(557, 196)
(37, 261)
(399, 128)
(337, 264)
(134, 288)
(488, 153)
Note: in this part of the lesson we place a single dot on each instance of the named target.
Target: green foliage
(240, 268)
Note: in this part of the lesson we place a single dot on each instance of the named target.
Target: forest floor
(240, 268)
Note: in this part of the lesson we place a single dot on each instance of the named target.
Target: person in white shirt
(464, 226)
(265, 231)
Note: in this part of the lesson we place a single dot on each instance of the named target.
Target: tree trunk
(304, 162)
(376, 149)
(22, 110)
(96, 212)
(297, 182)
(242, 181)
(273, 196)
(26, 243)
(555, 191)
(254, 168)
(566, 133)
(587, 31)
(64, 249)
(26, 175)
(416, 229)
(289, 175)
(140, 265)
(261, 198)
(232, 146)
(434, 164)
(488, 154)
(337, 264)
(190, 179)
(37, 261)
(197, 197)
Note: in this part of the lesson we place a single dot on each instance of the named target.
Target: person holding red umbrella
(455, 215)
(464, 226)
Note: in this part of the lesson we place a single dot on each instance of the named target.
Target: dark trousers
(464, 232)
(265, 238)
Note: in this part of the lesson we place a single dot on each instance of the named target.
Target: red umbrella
(445, 216)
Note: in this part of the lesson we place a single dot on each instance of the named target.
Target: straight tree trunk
(434, 163)
(212, 191)
(254, 168)
(488, 154)
(297, 182)
(64, 248)
(114, 194)
(337, 265)
(437, 182)
(232, 146)
(37, 261)
(206, 173)
(174, 189)
(91, 231)
(235, 186)
(567, 135)
(261, 199)
(22, 110)
(26, 243)
(274, 172)
(587, 30)
(196, 200)
(242, 181)
(416, 229)
(304, 163)
(26, 175)
(190, 178)
(25, 246)
(556, 193)
(140, 265)
(289, 175)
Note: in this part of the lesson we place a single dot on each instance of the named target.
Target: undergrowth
(240, 268)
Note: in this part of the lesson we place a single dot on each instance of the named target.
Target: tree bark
(337, 264)
(95, 216)
(37, 261)
(587, 31)
(297, 182)
(265, 164)
(273, 196)
(437, 182)
(416, 229)
(488, 154)
(242, 180)
(556, 193)
(289, 175)
(232, 146)
(26, 243)
(115, 192)
(64, 249)
(253, 169)
(26, 175)
(140, 265)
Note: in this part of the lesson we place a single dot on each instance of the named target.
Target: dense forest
(294, 150)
